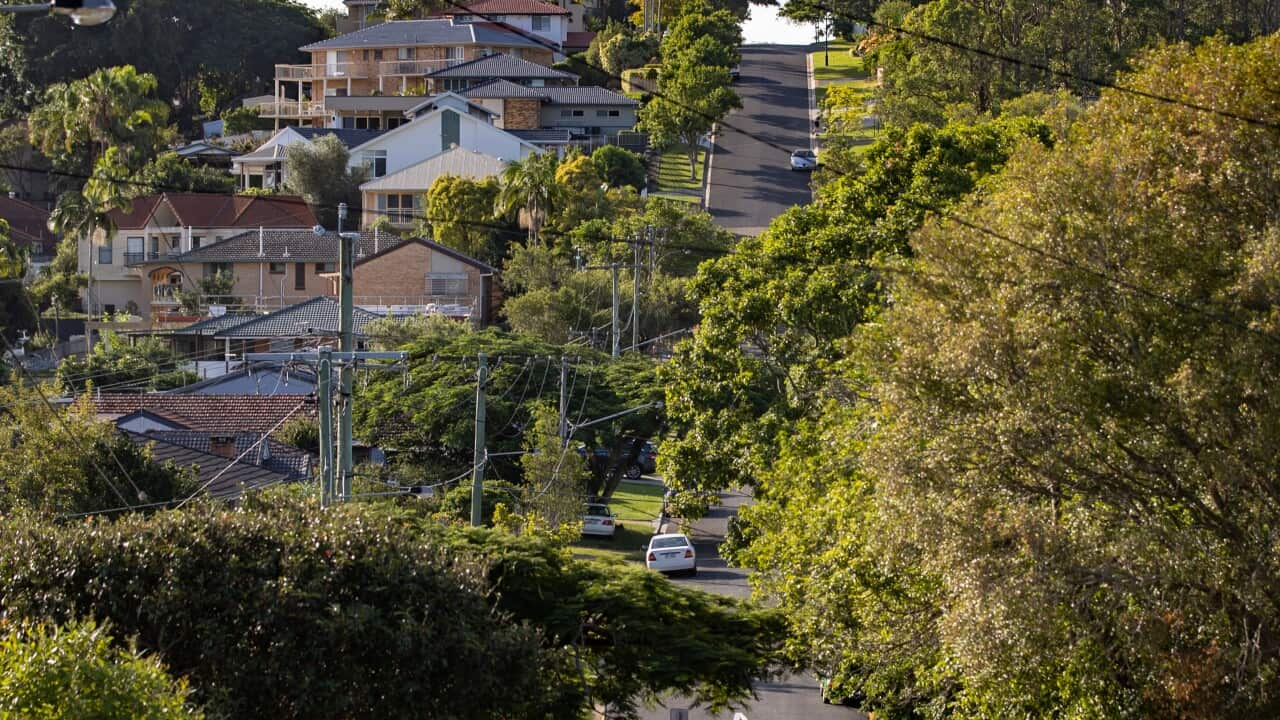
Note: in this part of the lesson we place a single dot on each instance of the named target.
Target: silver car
(804, 160)
(599, 521)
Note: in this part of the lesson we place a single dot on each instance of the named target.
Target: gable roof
(457, 162)
(218, 476)
(437, 31)
(319, 315)
(551, 94)
(501, 65)
(435, 247)
(415, 123)
(208, 210)
(433, 103)
(214, 413)
(284, 459)
(201, 148)
(283, 246)
(209, 326)
(28, 225)
(505, 7)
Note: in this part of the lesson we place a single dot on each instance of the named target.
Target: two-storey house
(130, 269)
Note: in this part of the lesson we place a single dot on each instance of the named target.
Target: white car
(804, 160)
(599, 521)
(671, 553)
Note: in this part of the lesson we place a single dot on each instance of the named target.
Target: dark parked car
(646, 463)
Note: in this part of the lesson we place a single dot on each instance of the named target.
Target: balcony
(291, 109)
(165, 294)
(414, 68)
(322, 71)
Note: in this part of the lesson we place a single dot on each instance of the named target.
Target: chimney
(261, 242)
(223, 446)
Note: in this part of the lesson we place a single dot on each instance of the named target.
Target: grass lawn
(673, 172)
(839, 65)
(636, 505)
(843, 68)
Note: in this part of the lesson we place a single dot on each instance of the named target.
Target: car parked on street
(599, 521)
(671, 553)
(804, 160)
(645, 464)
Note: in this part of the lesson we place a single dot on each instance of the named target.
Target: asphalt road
(751, 178)
(794, 697)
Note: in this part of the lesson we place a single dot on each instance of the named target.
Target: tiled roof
(283, 246)
(551, 94)
(285, 459)
(501, 88)
(506, 7)
(407, 33)
(218, 476)
(455, 162)
(28, 225)
(349, 136)
(542, 136)
(585, 95)
(502, 66)
(317, 316)
(210, 326)
(214, 413)
(207, 210)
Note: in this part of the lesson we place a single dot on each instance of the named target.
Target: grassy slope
(636, 505)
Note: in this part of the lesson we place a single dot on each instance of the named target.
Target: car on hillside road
(803, 159)
(671, 553)
(599, 521)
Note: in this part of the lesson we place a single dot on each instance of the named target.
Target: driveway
(751, 181)
(793, 697)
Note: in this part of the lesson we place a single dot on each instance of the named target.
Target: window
(579, 113)
(326, 267)
(134, 250)
(405, 53)
(109, 309)
(104, 251)
(196, 240)
(212, 269)
(455, 84)
(565, 113)
(457, 52)
(300, 276)
(376, 162)
(399, 208)
(541, 23)
(278, 268)
(393, 123)
(452, 284)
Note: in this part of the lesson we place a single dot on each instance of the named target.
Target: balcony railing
(291, 109)
(133, 258)
(166, 293)
(320, 71)
(397, 68)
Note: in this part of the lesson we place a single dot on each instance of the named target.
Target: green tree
(459, 211)
(169, 172)
(528, 189)
(318, 172)
(72, 672)
(61, 282)
(692, 98)
(16, 310)
(67, 461)
(216, 289)
(713, 37)
(237, 120)
(619, 167)
(147, 363)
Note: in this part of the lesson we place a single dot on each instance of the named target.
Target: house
(251, 449)
(529, 17)
(130, 269)
(397, 196)
(363, 13)
(585, 112)
(204, 152)
(216, 475)
(264, 167)
(29, 228)
(496, 67)
(419, 276)
(297, 327)
(271, 269)
(387, 59)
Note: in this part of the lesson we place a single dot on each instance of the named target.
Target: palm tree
(528, 187)
(75, 217)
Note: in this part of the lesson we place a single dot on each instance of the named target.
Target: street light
(82, 12)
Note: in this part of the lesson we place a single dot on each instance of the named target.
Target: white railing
(291, 109)
(414, 67)
(319, 71)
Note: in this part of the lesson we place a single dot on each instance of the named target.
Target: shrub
(618, 167)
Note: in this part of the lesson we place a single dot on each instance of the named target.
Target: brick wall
(522, 114)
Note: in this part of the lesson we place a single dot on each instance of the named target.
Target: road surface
(751, 180)
(794, 697)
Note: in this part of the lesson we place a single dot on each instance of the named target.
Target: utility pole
(614, 268)
(346, 344)
(324, 389)
(564, 401)
(478, 456)
(635, 299)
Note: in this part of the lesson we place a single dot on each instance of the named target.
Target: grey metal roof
(585, 95)
(259, 379)
(383, 103)
(349, 136)
(285, 459)
(542, 136)
(442, 31)
(501, 88)
(317, 316)
(218, 476)
(502, 66)
(210, 326)
(284, 246)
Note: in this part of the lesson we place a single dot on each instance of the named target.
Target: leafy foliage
(169, 172)
(318, 172)
(115, 363)
(73, 672)
(460, 213)
(618, 167)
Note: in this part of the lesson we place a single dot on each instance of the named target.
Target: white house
(264, 167)
(398, 195)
